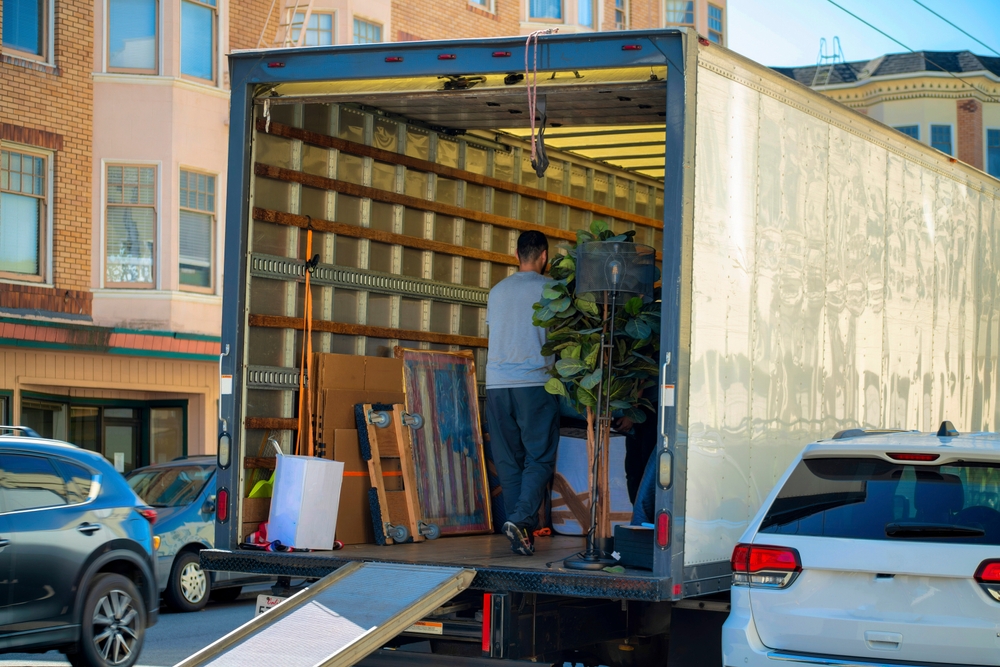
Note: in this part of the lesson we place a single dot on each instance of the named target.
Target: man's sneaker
(520, 539)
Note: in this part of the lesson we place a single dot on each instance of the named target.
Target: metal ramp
(338, 620)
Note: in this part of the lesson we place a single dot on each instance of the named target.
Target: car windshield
(171, 486)
(874, 499)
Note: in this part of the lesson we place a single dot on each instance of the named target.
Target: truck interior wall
(390, 273)
(842, 279)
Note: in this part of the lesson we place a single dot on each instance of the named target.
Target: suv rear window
(170, 486)
(873, 499)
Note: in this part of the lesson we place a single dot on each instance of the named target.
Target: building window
(319, 31)
(586, 14)
(26, 27)
(621, 14)
(197, 235)
(910, 131)
(993, 153)
(366, 32)
(130, 230)
(484, 4)
(198, 39)
(23, 214)
(715, 24)
(545, 9)
(941, 138)
(132, 35)
(680, 12)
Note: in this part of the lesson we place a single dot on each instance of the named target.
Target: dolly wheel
(413, 420)
(430, 530)
(399, 533)
(379, 418)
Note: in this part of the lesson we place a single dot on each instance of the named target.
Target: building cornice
(153, 80)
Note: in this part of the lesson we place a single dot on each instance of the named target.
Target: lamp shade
(615, 266)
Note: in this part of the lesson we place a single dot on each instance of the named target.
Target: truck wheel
(189, 585)
(113, 624)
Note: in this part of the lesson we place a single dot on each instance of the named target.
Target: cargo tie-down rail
(338, 620)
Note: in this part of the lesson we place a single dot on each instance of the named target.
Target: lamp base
(588, 560)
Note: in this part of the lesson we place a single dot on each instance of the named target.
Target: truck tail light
(222, 505)
(447, 56)
(394, 59)
(764, 566)
(501, 54)
(988, 576)
(487, 617)
(663, 529)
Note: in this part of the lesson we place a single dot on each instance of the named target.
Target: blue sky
(787, 32)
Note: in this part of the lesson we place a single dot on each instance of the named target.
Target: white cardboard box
(306, 496)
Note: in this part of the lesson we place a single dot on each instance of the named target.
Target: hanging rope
(539, 161)
(304, 441)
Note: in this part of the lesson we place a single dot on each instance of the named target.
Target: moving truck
(820, 271)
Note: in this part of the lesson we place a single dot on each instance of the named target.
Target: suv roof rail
(28, 432)
(860, 432)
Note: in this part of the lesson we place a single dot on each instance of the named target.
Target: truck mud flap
(340, 619)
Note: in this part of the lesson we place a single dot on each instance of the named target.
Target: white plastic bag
(305, 502)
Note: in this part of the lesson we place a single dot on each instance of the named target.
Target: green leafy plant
(574, 323)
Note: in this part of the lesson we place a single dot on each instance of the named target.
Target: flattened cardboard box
(354, 525)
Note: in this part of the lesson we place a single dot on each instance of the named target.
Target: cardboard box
(354, 526)
(255, 510)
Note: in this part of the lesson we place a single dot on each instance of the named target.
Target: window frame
(951, 137)
(215, 42)
(986, 149)
(485, 5)
(690, 23)
(546, 19)
(48, 42)
(214, 232)
(899, 128)
(44, 218)
(625, 10)
(354, 30)
(333, 26)
(155, 272)
(156, 46)
(721, 32)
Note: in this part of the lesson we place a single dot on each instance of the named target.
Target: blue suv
(77, 564)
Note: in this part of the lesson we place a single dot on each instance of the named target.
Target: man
(523, 418)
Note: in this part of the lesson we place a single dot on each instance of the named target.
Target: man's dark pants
(524, 435)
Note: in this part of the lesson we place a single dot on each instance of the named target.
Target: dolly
(396, 515)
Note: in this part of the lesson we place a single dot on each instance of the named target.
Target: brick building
(947, 99)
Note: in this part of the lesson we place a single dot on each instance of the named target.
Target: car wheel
(189, 585)
(227, 594)
(113, 624)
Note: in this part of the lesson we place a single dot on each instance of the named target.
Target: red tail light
(487, 618)
(222, 505)
(632, 47)
(447, 56)
(148, 513)
(394, 59)
(764, 566)
(501, 54)
(899, 456)
(663, 529)
(988, 576)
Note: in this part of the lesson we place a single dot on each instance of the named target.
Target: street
(175, 637)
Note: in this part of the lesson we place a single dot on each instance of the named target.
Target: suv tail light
(148, 513)
(765, 566)
(988, 576)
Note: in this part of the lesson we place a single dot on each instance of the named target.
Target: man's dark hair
(530, 246)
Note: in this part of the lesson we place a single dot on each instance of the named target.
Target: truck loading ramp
(338, 620)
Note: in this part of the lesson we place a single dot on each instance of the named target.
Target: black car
(77, 555)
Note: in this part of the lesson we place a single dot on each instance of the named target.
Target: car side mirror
(208, 507)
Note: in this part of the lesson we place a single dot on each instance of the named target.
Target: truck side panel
(843, 278)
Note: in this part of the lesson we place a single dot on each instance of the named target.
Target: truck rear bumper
(539, 574)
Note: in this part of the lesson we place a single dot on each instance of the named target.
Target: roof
(894, 64)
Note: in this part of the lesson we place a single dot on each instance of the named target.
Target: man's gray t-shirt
(515, 353)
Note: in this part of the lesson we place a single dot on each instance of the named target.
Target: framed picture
(448, 448)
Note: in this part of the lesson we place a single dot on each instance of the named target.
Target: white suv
(874, 549)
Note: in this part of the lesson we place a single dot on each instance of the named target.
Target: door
(888, 553)
(53, 530)
(122, 428)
